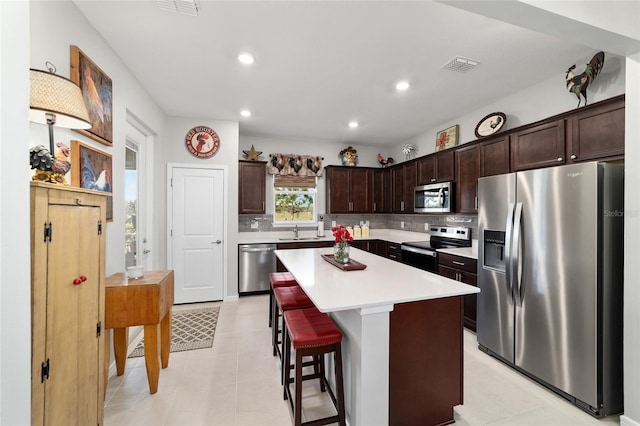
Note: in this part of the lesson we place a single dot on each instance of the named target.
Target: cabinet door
(72, 345)
(410, 181)
(397, 189)
(494, 156)
(538, 146)
(445, 166)
(469, 301)
(338, 182)
(252, 180)
(467, 172)
(360, 190)
(598, 133)
(426, 170)
(381, 191)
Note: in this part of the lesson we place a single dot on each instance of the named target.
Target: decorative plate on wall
(202, 142)
(491, 124)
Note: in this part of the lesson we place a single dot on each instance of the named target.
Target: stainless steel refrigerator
(550, 262)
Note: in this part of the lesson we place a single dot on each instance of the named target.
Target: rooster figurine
(577, 84)
(384, 162)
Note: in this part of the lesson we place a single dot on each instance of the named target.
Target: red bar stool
(312, 333)
(285, 299)
(279, 279)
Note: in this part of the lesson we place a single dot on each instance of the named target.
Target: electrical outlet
(426, 226)
(402, 225)
(333, 224)
(254, 225)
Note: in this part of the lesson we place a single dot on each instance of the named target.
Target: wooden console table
(145, 301)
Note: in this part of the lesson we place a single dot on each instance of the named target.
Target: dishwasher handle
(252, 249)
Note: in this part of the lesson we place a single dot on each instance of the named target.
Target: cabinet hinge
(48, 230)
(44, 372)
(99, 329)
(99, 227)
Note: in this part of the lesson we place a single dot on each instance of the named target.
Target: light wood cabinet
(67, 305)
(252, 185)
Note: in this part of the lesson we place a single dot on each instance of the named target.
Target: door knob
(145, 251)
(216, 242)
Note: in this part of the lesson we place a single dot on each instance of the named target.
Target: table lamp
(56, 101)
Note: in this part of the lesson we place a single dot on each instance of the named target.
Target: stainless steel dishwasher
(255, 263)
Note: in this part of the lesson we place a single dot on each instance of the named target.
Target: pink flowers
(341, 235)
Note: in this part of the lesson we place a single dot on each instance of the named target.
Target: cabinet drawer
(457, 262)
(394, 252)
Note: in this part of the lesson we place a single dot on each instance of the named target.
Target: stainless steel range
(423, 254)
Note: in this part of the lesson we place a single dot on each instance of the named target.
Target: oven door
(420, 258)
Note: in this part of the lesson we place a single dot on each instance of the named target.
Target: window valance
(295, 165)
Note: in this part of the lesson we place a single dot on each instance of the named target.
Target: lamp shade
(51, 93)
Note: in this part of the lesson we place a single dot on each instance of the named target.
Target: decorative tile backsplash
(411, 222)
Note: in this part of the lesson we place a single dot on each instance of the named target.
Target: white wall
(529, 105)
(15, 276)
(631, 249)
(175, 151)
(54, 27)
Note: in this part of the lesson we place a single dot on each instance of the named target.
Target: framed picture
(447, 138)
(91, 169)
(97, 93)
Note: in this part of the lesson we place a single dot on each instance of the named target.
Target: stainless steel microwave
(434, 198)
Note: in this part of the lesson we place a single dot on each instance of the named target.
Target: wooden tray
(353, 265)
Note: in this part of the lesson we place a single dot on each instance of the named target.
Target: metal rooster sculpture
(578, 84)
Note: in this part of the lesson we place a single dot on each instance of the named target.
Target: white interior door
(197, 230)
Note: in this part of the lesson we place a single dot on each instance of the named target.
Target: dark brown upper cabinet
(437, 167)
(542, 145)
(467, 173)
(251, 183)
(494, 156)
(381, 190)
(349, 189)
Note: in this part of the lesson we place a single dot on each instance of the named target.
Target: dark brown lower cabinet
(425, 361)
(462, 269)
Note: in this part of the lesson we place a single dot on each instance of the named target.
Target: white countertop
(392, 235)
(382, 284)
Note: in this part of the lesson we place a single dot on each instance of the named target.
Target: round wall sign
(202, 141)
(491, 124)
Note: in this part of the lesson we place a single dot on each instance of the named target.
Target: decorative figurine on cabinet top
(384, 162)
(252, 154)
(577, 84)
(349, 156)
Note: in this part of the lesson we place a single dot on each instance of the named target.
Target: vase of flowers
(341, 247)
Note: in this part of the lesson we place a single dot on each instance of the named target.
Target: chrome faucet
(295, 231)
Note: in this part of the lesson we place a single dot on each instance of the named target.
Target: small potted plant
(342, 238)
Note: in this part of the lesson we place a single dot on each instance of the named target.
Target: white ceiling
(321, 64)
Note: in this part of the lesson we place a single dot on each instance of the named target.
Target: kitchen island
(402, 328)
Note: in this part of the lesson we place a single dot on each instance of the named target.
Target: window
(294, 200)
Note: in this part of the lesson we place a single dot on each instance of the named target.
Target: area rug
(193, 329)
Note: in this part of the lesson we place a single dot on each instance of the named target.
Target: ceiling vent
(460, 64)
(185, 7)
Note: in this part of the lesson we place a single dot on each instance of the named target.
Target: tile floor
(237, 382)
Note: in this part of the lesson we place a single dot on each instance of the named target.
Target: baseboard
(231, 298)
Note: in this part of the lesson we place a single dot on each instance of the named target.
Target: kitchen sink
(298, 238)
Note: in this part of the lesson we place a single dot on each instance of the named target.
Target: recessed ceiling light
(246, 58)
(402, 85)
(245, 113)
(353, 124)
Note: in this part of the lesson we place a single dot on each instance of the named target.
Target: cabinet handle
(375, 207)
(455, 262)
(573, 156)
(476, 203)
(433, 179)
(79, 201)
(401, 206)
(263, 209)
(559, 158)
(79, 280)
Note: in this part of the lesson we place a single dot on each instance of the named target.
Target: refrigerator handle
(517, 228)
(507, 253)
